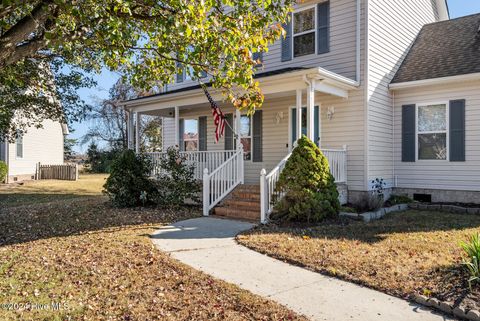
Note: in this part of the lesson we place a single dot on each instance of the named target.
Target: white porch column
(137, 132)
(310, 110)
(130, 130)
(238, 116)
(177, 127)
(299, 114)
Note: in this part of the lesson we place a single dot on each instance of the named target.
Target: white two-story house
(340, 77)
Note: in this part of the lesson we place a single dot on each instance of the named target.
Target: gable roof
(443, 49)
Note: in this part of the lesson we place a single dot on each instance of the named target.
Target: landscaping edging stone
(445, 208)
(370, 216)
(472, 315)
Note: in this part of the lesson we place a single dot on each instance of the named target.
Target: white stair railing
(268, 194)
(337, 158)
(222, 180)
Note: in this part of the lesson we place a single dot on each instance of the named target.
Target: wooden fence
(67, 172)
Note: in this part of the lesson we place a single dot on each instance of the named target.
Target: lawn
(34, 192)
(408, 253)
(67, 255)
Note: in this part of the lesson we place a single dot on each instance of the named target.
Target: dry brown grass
(402, 254)
(34, 192)
(99, 263)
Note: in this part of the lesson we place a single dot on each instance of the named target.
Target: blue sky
(106, 79)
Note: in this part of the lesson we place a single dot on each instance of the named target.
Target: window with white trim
(432, 132)
(304, 33)
(246, 136)
(190, 135)
(19, 145)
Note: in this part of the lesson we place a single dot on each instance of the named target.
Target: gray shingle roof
(443, 49)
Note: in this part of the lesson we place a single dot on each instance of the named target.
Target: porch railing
(221, 181)
(200, 159)
(337, 158)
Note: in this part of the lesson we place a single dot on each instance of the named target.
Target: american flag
(218, 117)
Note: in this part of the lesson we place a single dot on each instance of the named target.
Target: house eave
(272, 84)
(434, 81)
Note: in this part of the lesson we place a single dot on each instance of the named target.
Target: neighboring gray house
(44, 145)
(331, 79)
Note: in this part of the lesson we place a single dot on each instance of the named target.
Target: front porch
(254, 148)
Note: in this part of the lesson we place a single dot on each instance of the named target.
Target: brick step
(233, 212)
(242, 204)
(248, 188)
(245, 196)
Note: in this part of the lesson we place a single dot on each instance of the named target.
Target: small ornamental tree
(3, 171)
(176, 182)
(309, 188)
(129, 183)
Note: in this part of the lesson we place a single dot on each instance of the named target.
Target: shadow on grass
(376, 231)
(72, 215)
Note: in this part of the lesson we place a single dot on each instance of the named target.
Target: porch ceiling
(275, 86)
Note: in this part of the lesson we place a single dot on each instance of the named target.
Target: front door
(293, 125)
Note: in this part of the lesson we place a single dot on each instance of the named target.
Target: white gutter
(435, 81)
(316, 73)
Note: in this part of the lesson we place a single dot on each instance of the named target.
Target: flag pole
(204, 87)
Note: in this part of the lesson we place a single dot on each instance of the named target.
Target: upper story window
(304, 32)
(432, 132)
(190, 135)
(19, 145)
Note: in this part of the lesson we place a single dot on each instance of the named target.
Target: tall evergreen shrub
(310, 191)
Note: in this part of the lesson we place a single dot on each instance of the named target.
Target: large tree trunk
(25, 38)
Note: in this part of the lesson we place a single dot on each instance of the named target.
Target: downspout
(357, 41)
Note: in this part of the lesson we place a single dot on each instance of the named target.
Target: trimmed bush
(176, 182)
(310, 191)
(129, 183)
(3, 171)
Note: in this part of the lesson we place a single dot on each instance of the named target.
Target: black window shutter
(258, 56)
(257, 137)
(457, 130)
(229, 132)
(323, 27)
(408, 133)
(202, 133)
(180, 75)
(181, 130)
(287, 40)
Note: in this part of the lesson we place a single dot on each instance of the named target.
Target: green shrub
(129, 183)
(472, 261)
(3, 171)
(176, 182)
(309, 188)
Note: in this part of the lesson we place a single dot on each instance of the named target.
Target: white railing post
(345, 164)
(263, 196)
(241, 164)
(206, 192)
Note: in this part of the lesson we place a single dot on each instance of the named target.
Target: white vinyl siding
(43, 145)
(434, 174)
(345, 128)
(341, 57)
(392, 28)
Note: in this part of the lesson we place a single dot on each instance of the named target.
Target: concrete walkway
(208, 244)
